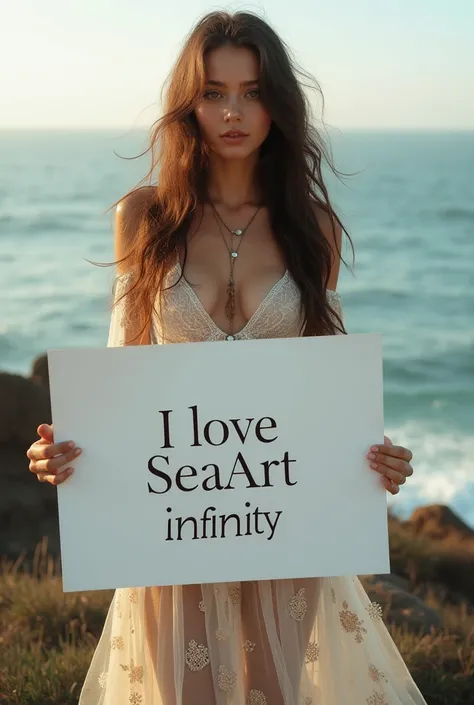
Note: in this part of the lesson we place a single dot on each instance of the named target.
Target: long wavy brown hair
(289, 169)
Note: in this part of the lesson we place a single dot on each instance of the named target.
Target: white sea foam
(444, 469)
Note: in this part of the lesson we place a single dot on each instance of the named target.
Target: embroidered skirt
(316, 641)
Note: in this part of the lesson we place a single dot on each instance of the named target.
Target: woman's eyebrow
(222, 84)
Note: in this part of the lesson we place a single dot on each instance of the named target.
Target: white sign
(216, 462)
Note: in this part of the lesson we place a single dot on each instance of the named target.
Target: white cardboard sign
(216, 462)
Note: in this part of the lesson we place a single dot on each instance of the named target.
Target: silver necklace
(233, 254)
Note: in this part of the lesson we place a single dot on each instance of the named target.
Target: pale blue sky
(101, 63)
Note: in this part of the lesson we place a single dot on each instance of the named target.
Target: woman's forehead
(231, 65)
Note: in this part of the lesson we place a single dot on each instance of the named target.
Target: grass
(47, 638)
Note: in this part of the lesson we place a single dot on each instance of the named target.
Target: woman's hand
(49, 460)
(392, 462)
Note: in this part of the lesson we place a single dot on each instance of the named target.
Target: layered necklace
(233, 251)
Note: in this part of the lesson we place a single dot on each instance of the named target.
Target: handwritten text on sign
(211, 462)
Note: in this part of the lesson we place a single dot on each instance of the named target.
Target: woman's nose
(233, 109)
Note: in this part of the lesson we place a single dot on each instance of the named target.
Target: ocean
(409, 208)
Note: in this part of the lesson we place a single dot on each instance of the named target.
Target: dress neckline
(209, 318)
(205, 315)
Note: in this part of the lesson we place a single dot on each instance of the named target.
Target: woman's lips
(234, 137)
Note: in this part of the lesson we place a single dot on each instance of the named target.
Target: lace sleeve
(118, 318)
(334, 300)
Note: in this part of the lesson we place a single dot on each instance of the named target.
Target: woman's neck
(232, 183)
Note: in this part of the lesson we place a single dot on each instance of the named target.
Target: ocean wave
(7, 343)
(441, 370)
(376, 297)
(52, 224)
(444, 469)
(456, 214)
(28, 223)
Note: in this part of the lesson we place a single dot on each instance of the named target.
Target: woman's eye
(211, 95)
(255, 93)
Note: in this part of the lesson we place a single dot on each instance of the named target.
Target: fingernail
(375, 449)
(374, 466)
(78, 451)
(371, 456)
(71, 444)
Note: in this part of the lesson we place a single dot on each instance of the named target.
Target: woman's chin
(233, 151)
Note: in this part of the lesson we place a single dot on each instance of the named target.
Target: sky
(381, 64)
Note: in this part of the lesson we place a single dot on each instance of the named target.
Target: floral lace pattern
(135, 699)
(197, 656)
(226, 679)
(298, 605)
(256, 697)
(377, 699)
(375, 611)
(351, 623)
(376, 675)
(135, 673)
(103, 679)
(235, 593)
(312, 652)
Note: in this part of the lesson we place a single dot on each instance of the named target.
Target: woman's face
(231, 102)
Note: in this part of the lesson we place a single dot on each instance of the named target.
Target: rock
(28, 508)
(40, 371)
(439, 523)
(392, 593)
(24, 404)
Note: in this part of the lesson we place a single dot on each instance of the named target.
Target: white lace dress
(317, 641)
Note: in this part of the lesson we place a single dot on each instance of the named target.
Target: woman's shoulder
(137, 199)
(128, 215)
(131, 207)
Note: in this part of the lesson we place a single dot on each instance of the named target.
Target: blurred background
(81, 83)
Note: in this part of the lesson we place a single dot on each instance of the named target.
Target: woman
(237, 240)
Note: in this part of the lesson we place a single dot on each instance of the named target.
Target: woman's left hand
(392, 462)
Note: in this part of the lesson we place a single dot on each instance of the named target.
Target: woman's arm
(124, 327)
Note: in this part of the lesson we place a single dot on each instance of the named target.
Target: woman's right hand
(49, 460)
